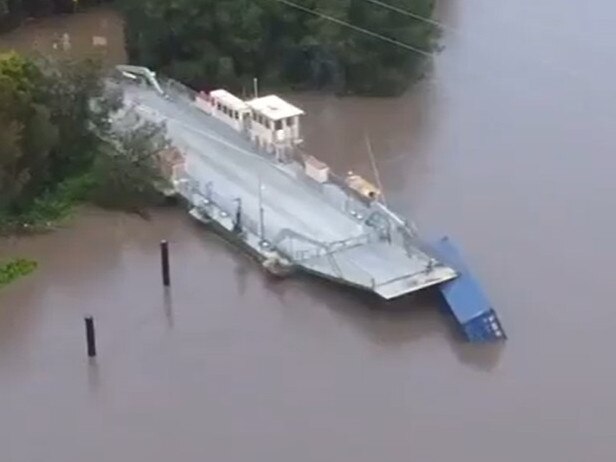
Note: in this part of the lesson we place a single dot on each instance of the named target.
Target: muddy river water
(508, 148)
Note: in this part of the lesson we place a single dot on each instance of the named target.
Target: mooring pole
(90, 337)
(237, 225)
(164, 260)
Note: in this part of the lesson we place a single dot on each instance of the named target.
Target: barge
(239, 165)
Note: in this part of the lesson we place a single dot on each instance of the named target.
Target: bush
(51, 207)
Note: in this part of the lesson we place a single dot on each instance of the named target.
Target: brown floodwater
(509, 149)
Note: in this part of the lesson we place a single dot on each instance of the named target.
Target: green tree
(26, 132)
(53, 116)
(126, 173)
(75, 94)
(13, 178)
(228, 42)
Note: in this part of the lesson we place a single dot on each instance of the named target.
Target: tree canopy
(27, 136)
(208, 43)
(53, 117)
(47, 123)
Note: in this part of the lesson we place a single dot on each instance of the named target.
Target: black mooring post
(90, 337)
(164, 260)
(237, 225)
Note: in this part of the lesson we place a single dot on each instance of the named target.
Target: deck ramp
(380, 267)
(466, 299)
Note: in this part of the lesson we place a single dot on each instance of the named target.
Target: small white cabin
(229, 108)
(274, 124)
(225, 107)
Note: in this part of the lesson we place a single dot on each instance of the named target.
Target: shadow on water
(393, 323)
(241, 271)
(168, 306)
(94, 375)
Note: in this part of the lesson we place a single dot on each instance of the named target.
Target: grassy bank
(53, 207)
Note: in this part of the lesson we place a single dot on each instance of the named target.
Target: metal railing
(343, 268)
(327, 248)
(203, 196)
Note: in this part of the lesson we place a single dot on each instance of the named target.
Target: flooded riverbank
(97, 32)
(508, 148)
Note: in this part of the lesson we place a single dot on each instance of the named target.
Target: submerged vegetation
(53, 206)
(15, 269)
(53, 118)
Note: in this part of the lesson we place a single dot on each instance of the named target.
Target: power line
(405, 12)
(566, 70)
(443, 26)
(356, 28)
